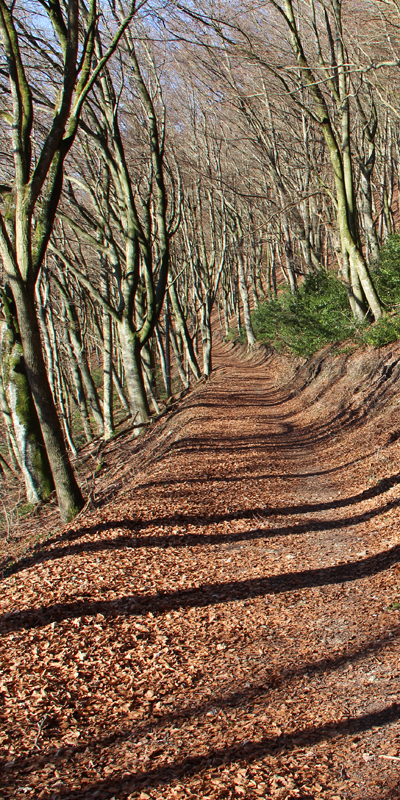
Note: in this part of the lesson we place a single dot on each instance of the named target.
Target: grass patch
(25, 509)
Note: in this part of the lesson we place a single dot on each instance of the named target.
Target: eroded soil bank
(223, 624)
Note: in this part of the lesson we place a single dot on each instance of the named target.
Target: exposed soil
(224, 622)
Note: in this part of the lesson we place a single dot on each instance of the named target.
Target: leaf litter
(223, 623)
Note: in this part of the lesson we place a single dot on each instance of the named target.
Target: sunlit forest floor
(224, 621)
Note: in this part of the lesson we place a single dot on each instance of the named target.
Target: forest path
(219, 629)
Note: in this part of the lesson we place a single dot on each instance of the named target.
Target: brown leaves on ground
(223, 624)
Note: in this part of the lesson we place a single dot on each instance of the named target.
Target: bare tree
(122, 207)
(35, 173)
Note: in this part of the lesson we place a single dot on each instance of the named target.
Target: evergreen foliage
(384, 331)
(319, 312)
(387, 281)
(387, 274)
(316, 315)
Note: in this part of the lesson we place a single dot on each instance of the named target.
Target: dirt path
(219, 628)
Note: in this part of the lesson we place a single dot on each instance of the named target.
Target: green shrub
(318, 314)
(385, 331)
(387, 273)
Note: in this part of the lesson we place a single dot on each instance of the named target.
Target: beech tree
(328, 86)
(125, 205)
(308, 57)
(48, 86)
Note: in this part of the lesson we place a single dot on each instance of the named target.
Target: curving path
(218, 626)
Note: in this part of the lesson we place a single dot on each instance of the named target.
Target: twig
(10, 514)
(40, 728)
(7, 521)
(91, 490)
(390, 758)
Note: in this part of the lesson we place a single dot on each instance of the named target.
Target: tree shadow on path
(205, 595)
(245, 752)
(244, 697)
(193, 539)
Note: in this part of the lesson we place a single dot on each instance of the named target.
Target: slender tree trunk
(149, 389)
(260, 288)
(181, 327)
(226, 312)
(206, 338)
(163, 363)
(119, 390)
(4, 467)
(244, 294)
(108, 423)
(42, 307)
(60, 389)
(167, 318)
(184, 375)
(148, 375)
(290, 275)
(80, 398)
(273, 272)
(367, 214)
(90, 389)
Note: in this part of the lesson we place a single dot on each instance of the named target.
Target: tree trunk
(21, 417)
(60, 390)
(367, 214)
(353, 288)
(130, 351)
(181, 327)
(119, 390)
(6, 414)
(4, 467)
(80, 398)
(163, 363)
(90, 389)
(244, 294)
(167, 318)
(184, 376)
(226, 312)
(69, 495)
(148, 375)
(32, 457)
(108, 423)
(206, 338)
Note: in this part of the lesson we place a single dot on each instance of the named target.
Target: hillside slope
(223, 622)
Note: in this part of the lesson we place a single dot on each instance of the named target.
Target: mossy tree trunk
(32, 456)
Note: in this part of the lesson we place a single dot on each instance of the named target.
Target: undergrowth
(387, 272)
(319, 313)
